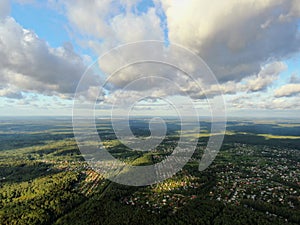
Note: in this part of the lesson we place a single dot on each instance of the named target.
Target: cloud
(265, 77)
(288, 90)
(111, 23)
(235, 37)
(261, 101)
(143, 27)
(294, 79)
(30, 64)
(283, 104)
(25, 1)
(11, 93)
(243, 42)
(4, 8)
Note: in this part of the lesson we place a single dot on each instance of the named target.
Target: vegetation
(255, 179)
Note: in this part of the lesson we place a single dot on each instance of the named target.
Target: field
(255, 179)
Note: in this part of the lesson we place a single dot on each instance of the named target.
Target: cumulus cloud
(288, 90)
(235, 37)
(244, 42)
(30, 64)
(265, 77)
(111, 23)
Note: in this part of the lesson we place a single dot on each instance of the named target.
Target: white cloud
(110, 23)
(11, 93)
(30, 64)
(288, 90)
(25, 1)
(261, 82)
(235, 37)
(241, 41)
(261, 101)
(284, 104)
(244, 42)
(265, 77)
(130, 27)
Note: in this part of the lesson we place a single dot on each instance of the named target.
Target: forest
(44, 179)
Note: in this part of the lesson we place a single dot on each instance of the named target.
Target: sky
(252, 47)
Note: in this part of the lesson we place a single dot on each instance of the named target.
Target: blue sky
(48, 24)
(65, 35)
